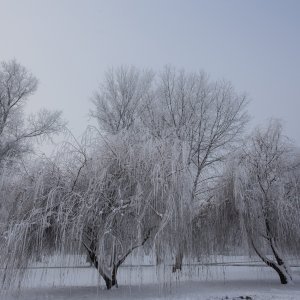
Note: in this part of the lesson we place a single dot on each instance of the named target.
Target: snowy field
(228, 281)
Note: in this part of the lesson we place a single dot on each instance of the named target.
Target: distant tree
(117, 104)
(17, 132)
(16, 86)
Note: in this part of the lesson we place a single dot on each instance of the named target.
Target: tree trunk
(284, 272)
(178, 261)
(284, 277)
(109, 282)
(113, 281)
(279, 266)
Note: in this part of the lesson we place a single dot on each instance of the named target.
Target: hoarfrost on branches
(166, 170)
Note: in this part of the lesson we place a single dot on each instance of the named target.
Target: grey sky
(68, 45)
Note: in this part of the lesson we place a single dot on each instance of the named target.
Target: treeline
(168, 168)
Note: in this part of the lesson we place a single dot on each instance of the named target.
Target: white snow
(148, 282)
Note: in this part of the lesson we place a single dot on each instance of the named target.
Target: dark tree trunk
(113, 281)
(283, 272)
(278, 266)
(282, 275)
(109, 282)
(178, 261)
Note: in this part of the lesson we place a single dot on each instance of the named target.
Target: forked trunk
(109, 281)
(111, 278)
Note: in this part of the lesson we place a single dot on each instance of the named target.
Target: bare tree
(16, 86)
(118, 102)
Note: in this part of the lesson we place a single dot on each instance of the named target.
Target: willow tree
(103, 199)
(264, 192)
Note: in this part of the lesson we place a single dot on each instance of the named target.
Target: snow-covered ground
(147, 282)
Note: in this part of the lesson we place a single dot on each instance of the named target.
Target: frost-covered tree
(264, 197)
(16, 86)
(142, 178)
(201, 117)
(118, 103)
(17, 132)
(208, 117)
(102, 199)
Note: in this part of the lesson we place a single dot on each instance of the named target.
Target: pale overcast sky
(69, 44)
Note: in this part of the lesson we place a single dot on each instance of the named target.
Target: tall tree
(202, 119)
